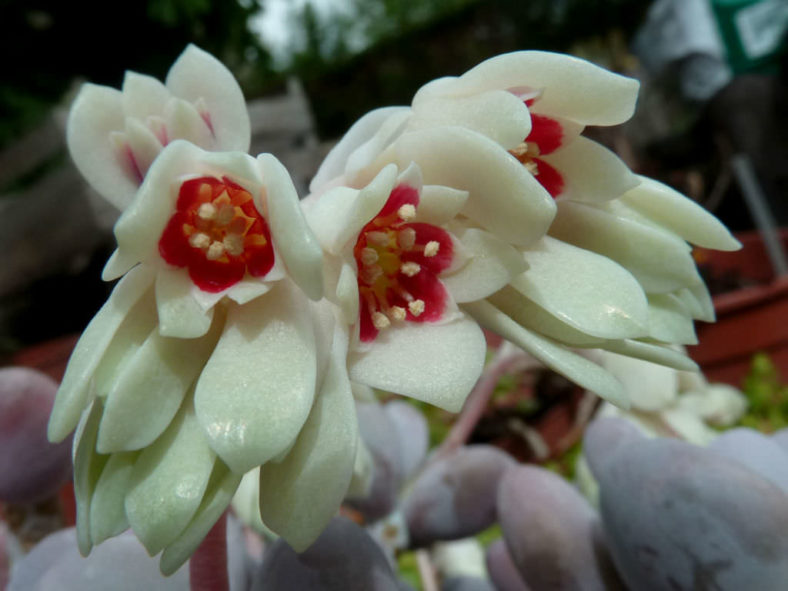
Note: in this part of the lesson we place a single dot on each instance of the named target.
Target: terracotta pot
(749, 320)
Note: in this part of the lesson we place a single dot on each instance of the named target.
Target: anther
(431, 248)
(371, 274)
(225, 215)
(379, 238)
(407, 238)
(215, 251)
(206, 211)
(407, 212)
(410, 269)
(416, 307)
(397, 313)
(380, 321)
(200, 240)
(234, 244)
(369, 256)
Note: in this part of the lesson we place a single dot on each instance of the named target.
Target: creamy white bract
(608, 264)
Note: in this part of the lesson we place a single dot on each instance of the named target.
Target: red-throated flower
(115, 135)
(614, 271)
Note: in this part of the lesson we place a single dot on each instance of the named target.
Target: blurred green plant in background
(767, 396)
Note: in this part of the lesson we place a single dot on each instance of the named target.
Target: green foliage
(767, 396)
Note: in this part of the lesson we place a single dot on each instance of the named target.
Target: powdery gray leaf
(551, 532)
(454, 497)
(760, 453)
(677, 516)
(31, 468)
(344, 558)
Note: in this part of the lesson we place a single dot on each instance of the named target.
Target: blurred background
(713, 76)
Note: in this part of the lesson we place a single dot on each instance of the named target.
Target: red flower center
(398, 263)
(545, 137)
(217, 233)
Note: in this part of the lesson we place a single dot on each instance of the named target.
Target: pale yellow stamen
(416, 307)
(371, 274)
(206, 211)
(379, 238)
(225, 215)
(431, 248)
(407, 212)
(234, 243)
(410, 269)
(215, 251)
(200, 240)
(369, 256)
(380, 321)
(407, 238)
(397, 313)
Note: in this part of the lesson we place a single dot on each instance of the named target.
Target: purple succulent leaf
(31, 468)
(413, 433)
(343, 557)
(455, 497)
(551, 532)
(678, 516)
(758, 452)
(502, 570)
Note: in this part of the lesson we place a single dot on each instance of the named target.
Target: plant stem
(208, 564)
(429, 581)
(504, 361)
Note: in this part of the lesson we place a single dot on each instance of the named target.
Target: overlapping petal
(114, 136)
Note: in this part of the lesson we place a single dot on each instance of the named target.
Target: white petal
(688, 426)
(88, 465)
(300, 494)
(339, 215)
(436, 363)
(198, 76)
(179, 313)
(363, 470)
(257, 388)
(719, 404)
(587, 291)
(248, 289)
(491, 265)
(497, 114)
(669, 321)
(361, 132)
(143, 96)
(679, 214)
(140, 227)
(438, 205)
(347, 293)
(659, 354)
(590, 171)
(72, 397)
(535, 318)
(107, 508)
(503, 196)
(95, 114)
(650, 387)
(659, 260)
(148, 392)
(366, 153)
(576, 368)
(573, 88)
(291, 234)
(701, 294)
(217, 497)
(144, 145)
(168, 482)
(184, 123)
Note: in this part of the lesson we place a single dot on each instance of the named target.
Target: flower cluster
(246, 321)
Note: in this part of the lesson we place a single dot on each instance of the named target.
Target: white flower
(615, 271)
(397, 267)
(208, 359)
(114, 136)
